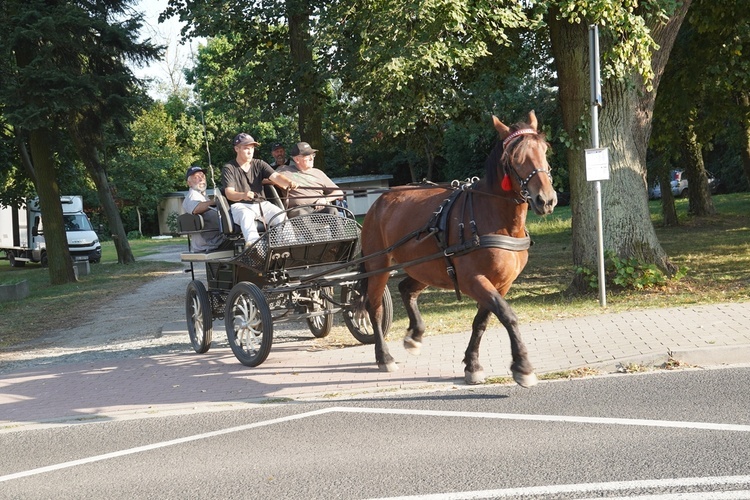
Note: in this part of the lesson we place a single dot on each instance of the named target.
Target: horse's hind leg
(375, 286)
(410, 290)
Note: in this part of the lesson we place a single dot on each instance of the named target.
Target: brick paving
(705, 335)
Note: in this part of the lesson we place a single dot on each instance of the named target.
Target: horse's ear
(532, 119)
(501, 128)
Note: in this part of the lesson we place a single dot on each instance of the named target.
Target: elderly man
(313, 185)
(196, 202)
(242, 179)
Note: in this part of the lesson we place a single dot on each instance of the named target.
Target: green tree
(703, 91)
(631, 33)
(267, 61)
(406, 67)
(65, 71)
(152, 164)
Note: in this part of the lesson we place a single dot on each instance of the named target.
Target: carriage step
(203, 257)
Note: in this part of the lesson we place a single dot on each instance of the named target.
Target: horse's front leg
(523, 372)
(473, 372)
(490, 300)
(375, 287)
(410, 290)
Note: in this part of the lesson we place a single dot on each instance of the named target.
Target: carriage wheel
(249, 324)
(198, 312)
(358, 321)
(320, 326)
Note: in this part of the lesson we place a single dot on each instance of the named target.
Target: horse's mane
(493, 170)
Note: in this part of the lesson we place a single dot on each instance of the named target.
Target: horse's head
(523, 160)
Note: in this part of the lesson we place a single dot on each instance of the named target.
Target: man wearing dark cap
(278, 151)
(196, 202)
(314, 187)
(242, 179)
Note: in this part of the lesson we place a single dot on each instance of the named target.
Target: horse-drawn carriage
(470, 237)
(282, 277)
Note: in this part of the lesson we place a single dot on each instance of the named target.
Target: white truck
(22, 233)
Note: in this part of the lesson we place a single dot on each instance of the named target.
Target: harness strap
(442, 238)
(486, 241)
(505, 242)
(436, 226)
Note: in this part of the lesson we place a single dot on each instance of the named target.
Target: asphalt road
(651, 435)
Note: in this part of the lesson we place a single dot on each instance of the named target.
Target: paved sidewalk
(137, 386)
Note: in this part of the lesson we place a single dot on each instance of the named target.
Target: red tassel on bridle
(505, 184)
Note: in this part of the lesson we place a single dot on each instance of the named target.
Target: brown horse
(447, 255)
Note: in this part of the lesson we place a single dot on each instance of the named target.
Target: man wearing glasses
(313, 188)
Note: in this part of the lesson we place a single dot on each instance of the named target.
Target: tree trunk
(41, 168)
(700, 203)
(668, 210)
(429, 152)
(120, 239)
(58, 255)
(745, 149)
(412, 170)
(624, 126)
(310, 119)
(96, 171)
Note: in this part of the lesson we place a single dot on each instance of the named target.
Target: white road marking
(384, 411)
(155, 446)
(605, 487)
(677, 424)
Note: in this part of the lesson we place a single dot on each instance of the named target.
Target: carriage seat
(195, 223)
(206, 256)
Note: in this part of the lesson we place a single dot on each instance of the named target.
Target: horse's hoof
(474, 378)
(388, 367)
(525, 380)
(412, 346)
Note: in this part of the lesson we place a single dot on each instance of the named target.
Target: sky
(168, 34)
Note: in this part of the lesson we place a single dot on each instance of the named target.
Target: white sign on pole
(597, 164)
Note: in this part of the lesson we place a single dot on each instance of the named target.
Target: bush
(624, 274)
(172, 222)
(134, 235)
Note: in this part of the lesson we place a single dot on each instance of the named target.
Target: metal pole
(596, 101)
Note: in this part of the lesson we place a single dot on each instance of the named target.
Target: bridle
(508, 167)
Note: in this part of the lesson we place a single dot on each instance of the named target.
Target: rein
(437, 226)
(433, 228)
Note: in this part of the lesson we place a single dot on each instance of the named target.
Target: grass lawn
(49, 307)
(715, 250)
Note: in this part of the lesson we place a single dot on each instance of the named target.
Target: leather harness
(437, 226)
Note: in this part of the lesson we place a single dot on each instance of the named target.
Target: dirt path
(149, 321)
